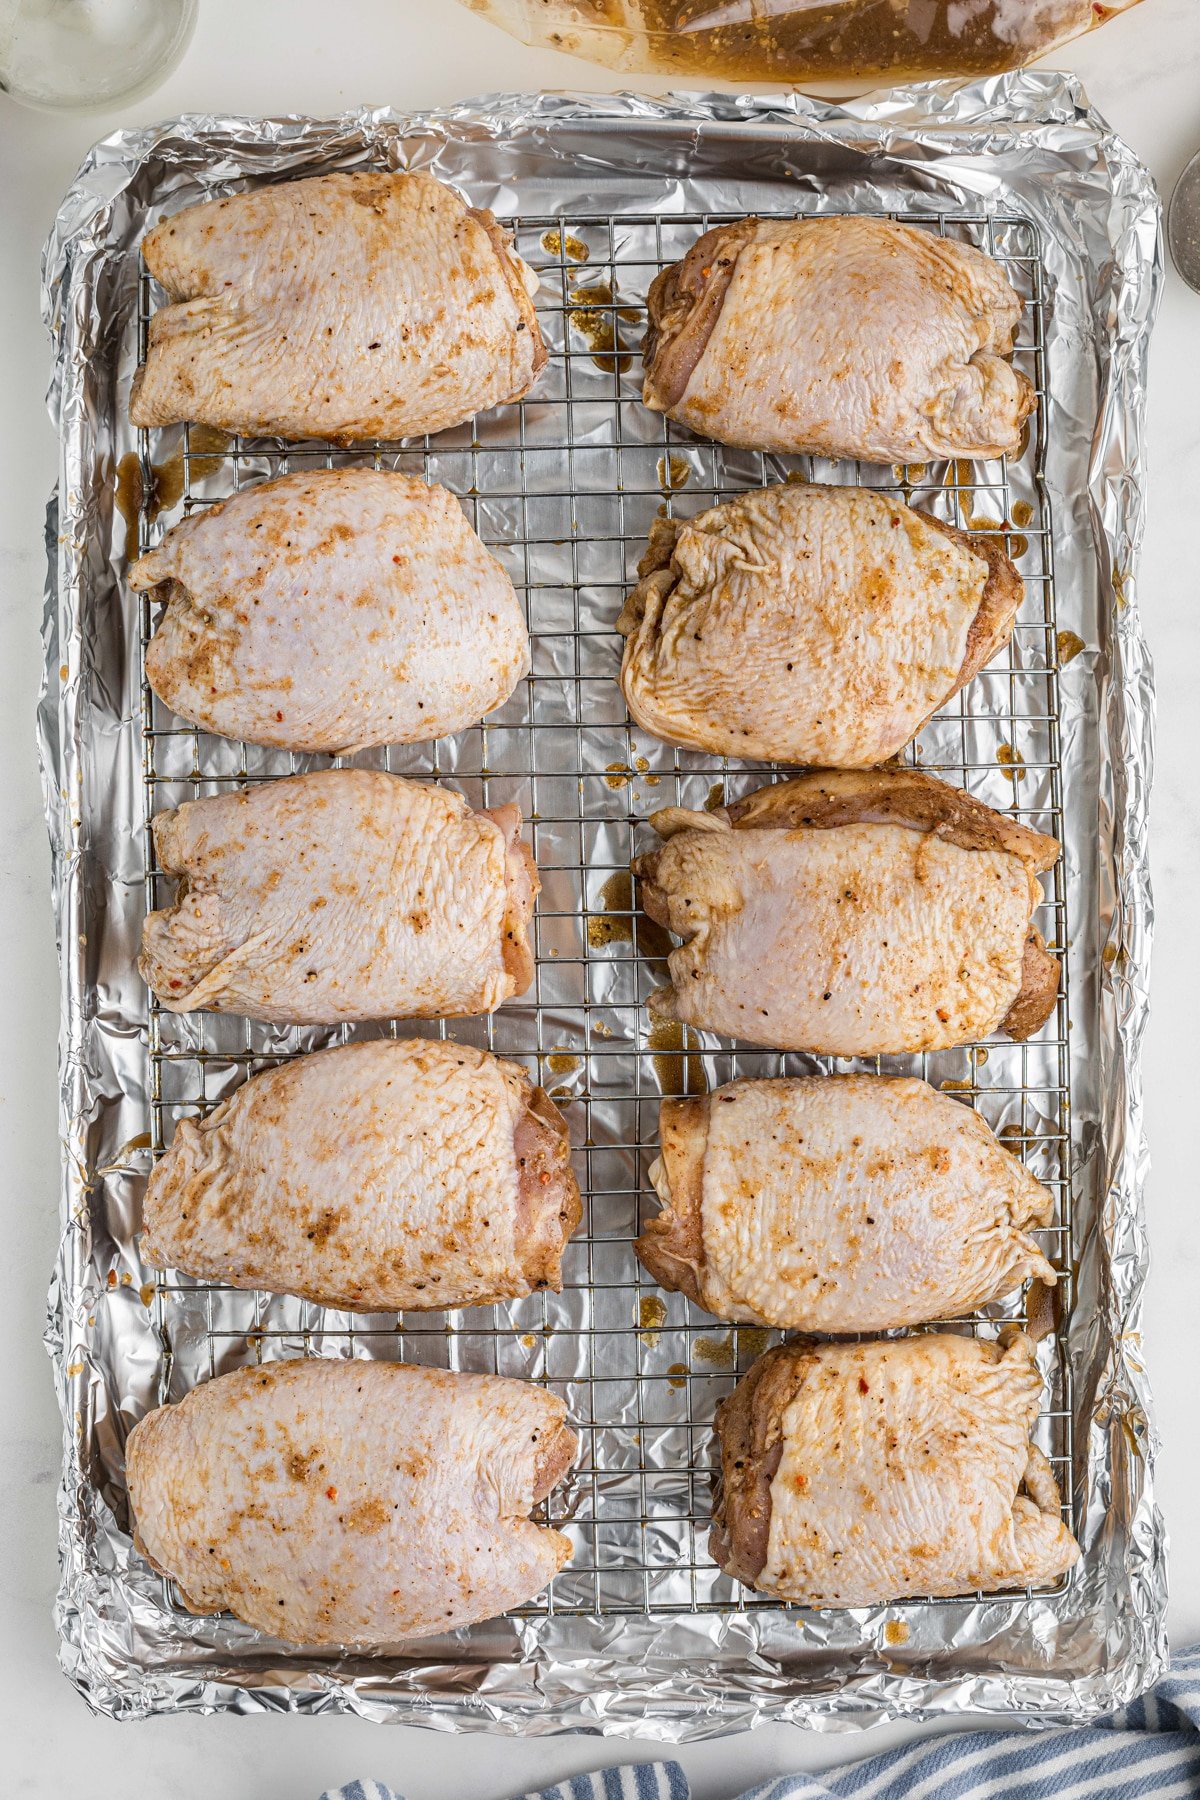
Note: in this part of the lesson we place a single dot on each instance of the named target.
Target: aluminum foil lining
(641, 1632)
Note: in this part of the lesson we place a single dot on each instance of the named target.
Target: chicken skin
(332, 611)
(838, 337)
(353, 1503)
(852, 915)
(345, 894)
(807, 624)
(403, 1174)
(839, 1204)
(857, 1474)
(343, 306)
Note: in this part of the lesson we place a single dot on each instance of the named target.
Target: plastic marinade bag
(803, 40)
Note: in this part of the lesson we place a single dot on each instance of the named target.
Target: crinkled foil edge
(548, 1683)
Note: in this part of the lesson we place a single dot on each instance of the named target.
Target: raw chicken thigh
(839, 337)
(342, 306)
(345, 894)
(856, 1474)
(852, 915)
(839, 1204)
(332, 611)
(806, 624)
(404, 1173)
(351, 1502)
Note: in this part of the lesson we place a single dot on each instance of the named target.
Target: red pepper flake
(864, 1387)
(331, 1493)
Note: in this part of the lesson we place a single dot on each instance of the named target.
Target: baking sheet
(641, 1631)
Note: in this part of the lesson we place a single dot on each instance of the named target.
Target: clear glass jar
(71, 55)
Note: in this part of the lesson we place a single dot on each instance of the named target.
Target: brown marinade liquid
(847, 41)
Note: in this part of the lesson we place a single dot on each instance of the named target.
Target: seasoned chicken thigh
(345, 894)
(852, 915)
(840, 337)
(351, 1502)
(409, 1174)
(855, 1474)
(839, 1204)
(343, 306)
(809, 624)
(332, 610)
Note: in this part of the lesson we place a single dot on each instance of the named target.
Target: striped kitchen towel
(1150, 1751)
(639, 1781)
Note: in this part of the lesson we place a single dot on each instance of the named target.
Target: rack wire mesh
(563, 488)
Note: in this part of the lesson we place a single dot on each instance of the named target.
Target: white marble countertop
(262, 56)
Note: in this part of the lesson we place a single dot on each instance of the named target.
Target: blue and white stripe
(639, 1781)
(360, 1790)
(1150, 1751)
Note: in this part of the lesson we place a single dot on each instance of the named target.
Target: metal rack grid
(563, 487)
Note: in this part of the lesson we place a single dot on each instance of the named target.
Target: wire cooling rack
(563, 488)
